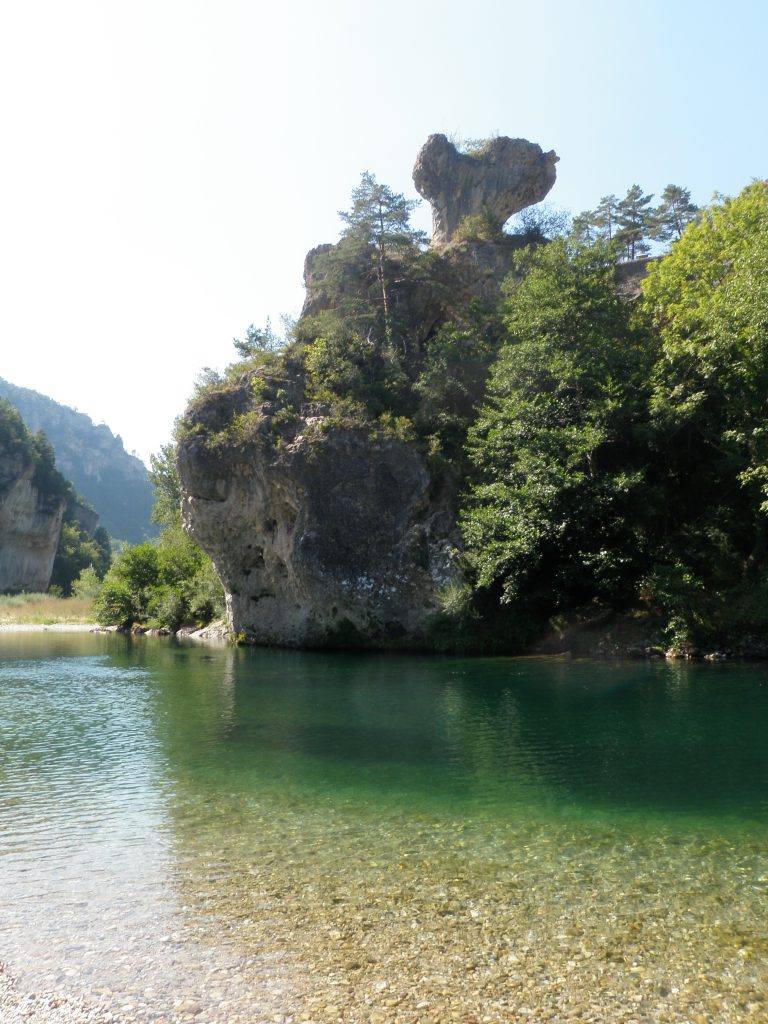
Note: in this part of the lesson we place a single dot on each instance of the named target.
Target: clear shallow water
(243, 834)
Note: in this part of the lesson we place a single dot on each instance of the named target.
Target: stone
(329, 538)
(330, 535)
(30, 526)
(501, 179)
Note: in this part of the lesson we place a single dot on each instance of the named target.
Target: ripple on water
(183, 836)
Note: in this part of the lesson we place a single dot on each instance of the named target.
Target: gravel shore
(18, 1007)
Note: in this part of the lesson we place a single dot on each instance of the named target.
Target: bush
(87, 584)
(165, 585)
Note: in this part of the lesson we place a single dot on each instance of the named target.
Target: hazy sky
(167, 164)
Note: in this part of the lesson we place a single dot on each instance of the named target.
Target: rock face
(94, 459)
(30, 525)
(502, 179)
(325, 528)
(327, 538)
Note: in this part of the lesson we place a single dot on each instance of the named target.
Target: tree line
(632, 223)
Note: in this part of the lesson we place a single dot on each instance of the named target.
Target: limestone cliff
(30, 525)
(502, 178)
(94, 459)
(322, 535)
(330, 524)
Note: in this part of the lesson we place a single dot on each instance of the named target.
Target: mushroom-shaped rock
(500, 179)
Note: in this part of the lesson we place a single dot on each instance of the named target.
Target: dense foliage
(78, 549)
(708, 305)
(602, 453)
(559, 464)
(17, 442)
(166, 583)
(93, 459)
(621, 453)
(77, 553)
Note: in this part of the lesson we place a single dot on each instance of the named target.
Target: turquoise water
(291, 817)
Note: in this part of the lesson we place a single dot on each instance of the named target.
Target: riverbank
(48, 627)
(46, 610)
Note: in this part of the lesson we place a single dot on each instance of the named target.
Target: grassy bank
(45, 610)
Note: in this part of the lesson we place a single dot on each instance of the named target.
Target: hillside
(94, 459)
(33, 500)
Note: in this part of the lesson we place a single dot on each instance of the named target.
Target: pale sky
(167, 164)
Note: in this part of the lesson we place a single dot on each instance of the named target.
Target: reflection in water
(253, 832)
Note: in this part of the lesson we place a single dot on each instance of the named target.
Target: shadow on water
(475, 734)
(467, 735)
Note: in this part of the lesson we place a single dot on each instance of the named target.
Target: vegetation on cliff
(600, 453)
(81, 546)
(93, 459)
(18, 442)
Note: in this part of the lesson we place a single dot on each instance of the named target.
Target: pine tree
(604, 217)
(634, 217)
(584, 228)
(379, 220)
(673, 214)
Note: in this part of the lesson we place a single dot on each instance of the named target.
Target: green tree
(584, 228)
(634, 218)
(540, 222)
(164, 477)
(88, 583)
(605, 217)
(551, 512)
(673, 214)
(452, 378)
(708, 300)
(378, 223)
(128, 589)
(167, 583)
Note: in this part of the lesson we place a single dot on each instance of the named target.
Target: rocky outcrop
(322, 537)
(30, 525)
(94, 459)
(505, 176)
(630, 276)
(325, 527)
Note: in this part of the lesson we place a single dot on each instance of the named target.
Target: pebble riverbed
(440, 922)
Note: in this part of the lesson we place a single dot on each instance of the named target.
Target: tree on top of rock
(634, 217)
(673, 214)
(379, 222)
(605, 216)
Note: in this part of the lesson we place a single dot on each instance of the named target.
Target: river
(239, 835)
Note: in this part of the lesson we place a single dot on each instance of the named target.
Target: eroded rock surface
(30, 526)
(508, 175)
(325, 538)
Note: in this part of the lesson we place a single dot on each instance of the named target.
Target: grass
(45, 610)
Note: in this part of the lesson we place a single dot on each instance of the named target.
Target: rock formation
(94, 459)
(321, 537)
(30, 525)
(325, 527)
(504, 177)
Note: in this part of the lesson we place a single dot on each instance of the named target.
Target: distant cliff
(95, 461)
(33, 499)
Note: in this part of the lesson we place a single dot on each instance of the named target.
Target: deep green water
(150, 789)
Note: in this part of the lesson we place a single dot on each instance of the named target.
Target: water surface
(224, 835)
